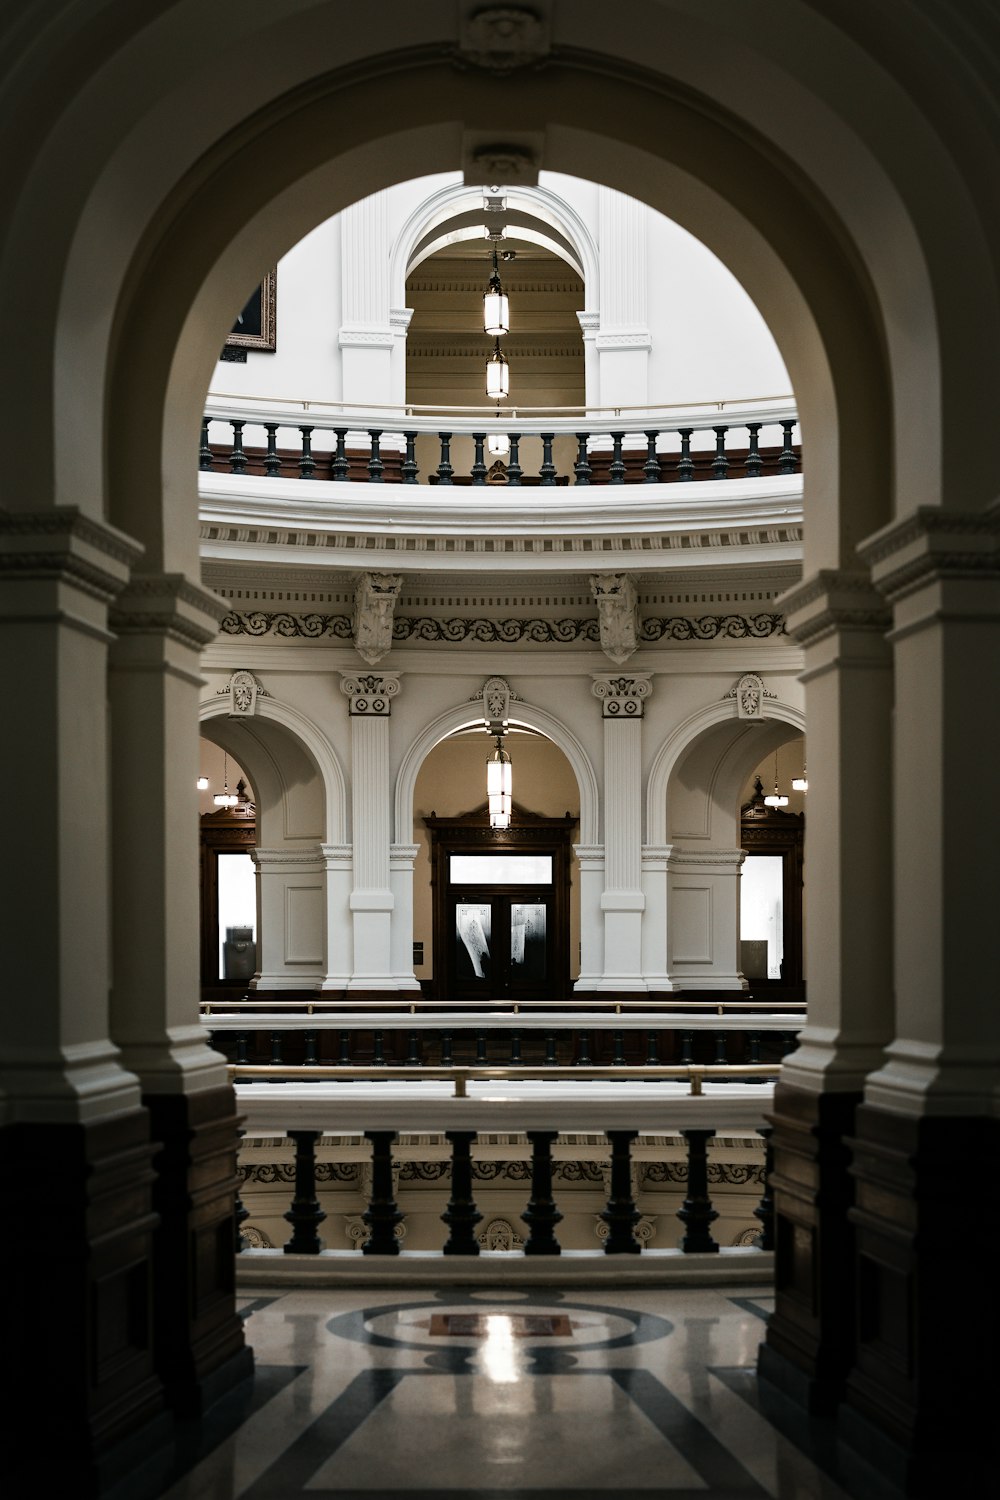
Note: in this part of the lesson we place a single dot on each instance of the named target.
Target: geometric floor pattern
(470, 1394)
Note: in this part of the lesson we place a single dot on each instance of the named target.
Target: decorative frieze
(750, 693)
(618, 614)
(622, 697)
(370, 693)
(508, 632)
(374, 601)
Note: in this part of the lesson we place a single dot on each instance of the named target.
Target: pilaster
(339, 926)
(367, 338)
(622, 902)
(624, 340)
(401, 858)
(370, 697)
(590, 859)
(655, 956)
(703, 910)
(291, 885)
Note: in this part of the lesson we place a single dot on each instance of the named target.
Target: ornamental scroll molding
(370, 693)
(508, 632)
(644, 1230)
(622, 697)
(243, 689)
(500, 1234)
(359, 1233)
(618, 614)
(750, 693)
(374, 602)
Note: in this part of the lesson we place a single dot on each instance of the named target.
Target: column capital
(370, 693)
(168, 604)
(831, 600)
(933, 545)
(65, 546)
(622, 697)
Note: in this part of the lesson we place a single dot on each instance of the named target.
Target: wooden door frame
(769, 830)
(228, 830)
(529, 833)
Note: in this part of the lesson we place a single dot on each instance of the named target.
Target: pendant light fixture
(499, 786)
(498, 443)
(225, 798)
(776, 799)
(801, 783)
(496, 304)
(497, 374)
(202, 783)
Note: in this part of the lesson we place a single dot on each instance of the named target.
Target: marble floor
(462, 1393)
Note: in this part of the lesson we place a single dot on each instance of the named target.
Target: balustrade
(612, 452)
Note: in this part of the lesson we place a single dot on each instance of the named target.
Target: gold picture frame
(256, 326)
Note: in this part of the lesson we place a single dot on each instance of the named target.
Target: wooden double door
(501, 908)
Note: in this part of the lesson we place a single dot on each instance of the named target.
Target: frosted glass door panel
(527, 942)
(501, 869)
(762, 912)
(237, 903)
(472, 941)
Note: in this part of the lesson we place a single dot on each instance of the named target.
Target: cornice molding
(932, 545)
(65, 544)
(169, 604)
(831, 600)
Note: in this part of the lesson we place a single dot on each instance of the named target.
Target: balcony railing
(316, 440)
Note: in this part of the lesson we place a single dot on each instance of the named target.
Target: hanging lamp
(497, 374)
(498, 443)
(801, 783)
(225, 798)
(496, 304)
(776, 799)
(499, 786)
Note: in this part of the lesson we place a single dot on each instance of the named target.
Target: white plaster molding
(750, 693)
(630, 339)
(374, 602)
(930, 545)
(354, 337)
(496, 697)
(833, 600)
(618, 614)
(370, 693)
(502, 38)
(622, 697)
(242, 690)
(287, 858)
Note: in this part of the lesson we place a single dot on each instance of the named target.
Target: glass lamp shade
(800, 783)
(497, 375)
(497, 444)
(775, 799)
(496, 310)
(225, 799)
(202, 783)
(499, 786)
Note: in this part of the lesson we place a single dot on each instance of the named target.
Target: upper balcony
(692, 486)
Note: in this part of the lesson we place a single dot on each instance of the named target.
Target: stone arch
(465, 716)
(263, 754)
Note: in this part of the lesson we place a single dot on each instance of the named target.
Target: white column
(60, 570)
(622, 902)
(624, 341)
(591, 862)
(941, 573)
(703, 911)
(401, 858)
(339, 926)
(370, 695)
(367, 338)
(291, 918)
(590, 326)
(655, 966)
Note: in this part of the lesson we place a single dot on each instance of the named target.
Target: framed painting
(256, 326)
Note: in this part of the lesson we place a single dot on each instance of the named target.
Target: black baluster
(515, 1049)
(651, 468)
(652, 1055)
(444, 468)
(621, 1214)
(378, 1055)
(272, 463)
(765, 1208)
(381, 1215)
(789, 1042)
(787, 461)
(413, 1054)
(409, 468)
(618, 1060)
(697, 1213)
(547, 473)
(583, 1057)
(311, 1056)
(205, 450)
(720, 463)
(550, 1047)
(375, 465)
(753, 1039)
(237, 458)
(541, 1214)
(447, 1057)
(461, 1215)
(721, 1055)
(687, 1047)
(616, 473)
(754, 463)
(339, 468)
(481, 1048)
(242, 1039)
(307, 464)
(344, 1058)
(276, 1057)
(685, 464)
(479, 466)
(240, 1211)
(305, 1214)
(581, 468)
(513, 464)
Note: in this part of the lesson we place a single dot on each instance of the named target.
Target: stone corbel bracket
(618, 614)
(374, 603)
